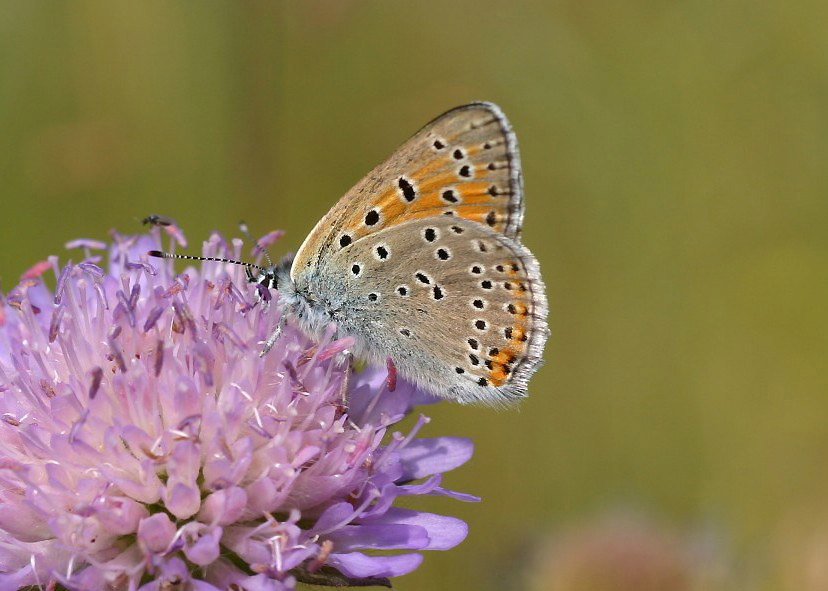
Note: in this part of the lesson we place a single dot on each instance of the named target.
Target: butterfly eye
(266, 279)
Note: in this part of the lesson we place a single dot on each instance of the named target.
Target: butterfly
(421, 263)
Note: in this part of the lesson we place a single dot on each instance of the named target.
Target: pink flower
(145, 443)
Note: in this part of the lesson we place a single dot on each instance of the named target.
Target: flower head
(145, 444)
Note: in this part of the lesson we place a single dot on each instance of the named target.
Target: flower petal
(358, 565)
(424, 457)
(444, 532)
(380, 537)
(156, 532)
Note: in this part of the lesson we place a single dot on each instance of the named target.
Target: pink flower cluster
(145, 444)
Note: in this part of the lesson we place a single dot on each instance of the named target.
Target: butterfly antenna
(246, 231)
(167, 255)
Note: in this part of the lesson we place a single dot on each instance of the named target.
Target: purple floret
(144, 442)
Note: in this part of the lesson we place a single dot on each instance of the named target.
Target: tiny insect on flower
(146, 445)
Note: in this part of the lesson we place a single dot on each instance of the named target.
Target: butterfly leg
(391, 379)
(347, 359)
(274, 336)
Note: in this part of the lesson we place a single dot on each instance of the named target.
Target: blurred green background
(675, 156)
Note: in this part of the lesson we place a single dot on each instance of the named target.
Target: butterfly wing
(460, 309)
(464, 163)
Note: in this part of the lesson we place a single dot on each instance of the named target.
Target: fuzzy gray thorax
(302, 303)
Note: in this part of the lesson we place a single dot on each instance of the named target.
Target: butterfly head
(271, 277)
(265, 278)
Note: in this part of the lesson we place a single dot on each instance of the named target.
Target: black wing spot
(407, 189)
(459, 370)
(422, 277)
(480, 324)
(438, 293)
(457, 229)
(355, 269)
(465, 171)
(491, 218)
(405, 332)
(371, 218)
(493, 351)
(481, 246)
(474, 359)
(507, 332)
(476, 269)
(402, 290)
(345, 240)
(478, 304)
(449, 196)
(486, 284)
(473, 344)
(382, 252)
(458, 154)
(373, 297)
(430, 234)
(483, 382)
(493, 191)
(443, 254)
(439, 145)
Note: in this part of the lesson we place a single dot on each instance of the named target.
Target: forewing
(459, 308)
(464, 163)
